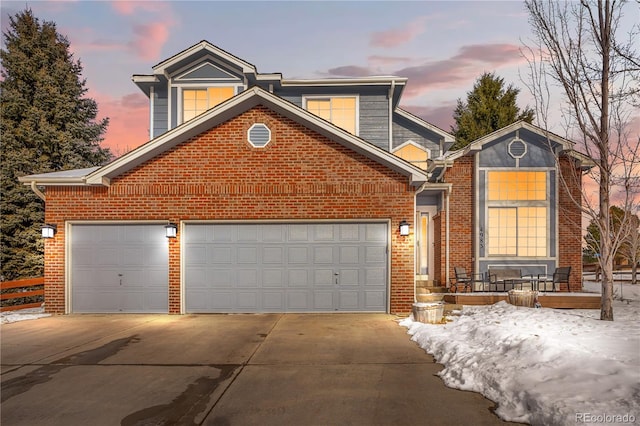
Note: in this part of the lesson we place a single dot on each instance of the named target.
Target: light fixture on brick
(171, 230)
(404, 228)
(48, 231)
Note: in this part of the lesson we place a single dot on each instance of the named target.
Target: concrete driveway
(271, 369)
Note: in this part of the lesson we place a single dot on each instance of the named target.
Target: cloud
(462, 67)
(128, 8)
(489, 53)
(398, 36)
(378, 60)
(350, 71)
(149, 39)
(128, 120)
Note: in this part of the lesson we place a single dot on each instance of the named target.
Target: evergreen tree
(46, 125)
(489, 107)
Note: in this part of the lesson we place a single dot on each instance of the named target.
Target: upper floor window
(197, 101)
(517, 213)
(339, 110)
(517, 186)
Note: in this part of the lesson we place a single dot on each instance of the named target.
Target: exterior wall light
(48, 231)
(171, 230)
(404, 228)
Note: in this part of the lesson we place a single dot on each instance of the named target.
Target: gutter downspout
(39, 193)
(446, 194)
(391, 90)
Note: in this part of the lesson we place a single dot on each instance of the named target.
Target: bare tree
(582, 48)
(630, 248)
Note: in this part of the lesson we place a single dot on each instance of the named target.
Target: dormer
(193, 81)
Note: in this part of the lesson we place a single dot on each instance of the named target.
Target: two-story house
(257, 193)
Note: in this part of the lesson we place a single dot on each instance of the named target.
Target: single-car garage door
(119, 268)
(296, 267)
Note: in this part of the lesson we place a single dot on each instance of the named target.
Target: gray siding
(373, 108)
(495, 155)
(405, 130)
(160, 110)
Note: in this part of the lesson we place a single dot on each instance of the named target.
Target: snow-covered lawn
(22, 315)
(544, 366)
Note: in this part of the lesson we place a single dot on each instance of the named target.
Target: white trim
(370, 81)
(246, 67)
(448, 137)
(228, 110)
(151, 110)
(305, 98)
(208, 60)
(410, 142)
(249, 135)
(194, 86)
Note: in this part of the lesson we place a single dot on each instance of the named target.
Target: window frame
(306, 98)
(183, 87)
(518, 205)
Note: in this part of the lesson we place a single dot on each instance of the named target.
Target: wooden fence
(20, 284)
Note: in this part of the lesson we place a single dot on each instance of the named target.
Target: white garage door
(119, 268)
(286, 267)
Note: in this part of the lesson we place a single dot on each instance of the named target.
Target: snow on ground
(544, 366)
(22, 315)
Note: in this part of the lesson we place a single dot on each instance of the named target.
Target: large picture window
(341, 111)
(517, 213)
(197, 101)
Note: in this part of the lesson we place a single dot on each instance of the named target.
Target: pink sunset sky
(441, 47)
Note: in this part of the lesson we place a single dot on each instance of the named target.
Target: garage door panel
(374, 299)
(298, 255)
(273, 255)
(273, 278)
(286, 267)
(273, 301)
(298, 278)
(349, 277)
(247, 255)
(374, 254)
(348, 300)
(375, 277)
(323, 254)
(247, 277)
(247, 300)
(323, 301)
(323, 277)
(297, 300)
(119, 268)
(222, 254)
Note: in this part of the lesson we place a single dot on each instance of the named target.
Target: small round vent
(517, 148)
(259, 135)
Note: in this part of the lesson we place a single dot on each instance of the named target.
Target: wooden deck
(547, 300)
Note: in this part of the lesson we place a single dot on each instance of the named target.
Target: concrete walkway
(271, 369)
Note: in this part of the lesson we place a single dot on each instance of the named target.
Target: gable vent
(517, 148)
(259, 135)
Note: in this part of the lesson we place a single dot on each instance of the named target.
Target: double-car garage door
(233, 267)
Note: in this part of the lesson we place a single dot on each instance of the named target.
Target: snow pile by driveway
(22, 315)
(543, 366)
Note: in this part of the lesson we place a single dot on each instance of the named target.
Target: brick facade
(570, 222)
(461, 216)
(219, 175)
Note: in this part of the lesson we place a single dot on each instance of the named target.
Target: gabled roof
(162, 67)
(215, 116)
(448, 138)
(563, 144)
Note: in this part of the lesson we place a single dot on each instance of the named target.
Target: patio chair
(463, 282)
(560, 276)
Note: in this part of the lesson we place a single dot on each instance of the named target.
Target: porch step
(429, 297)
